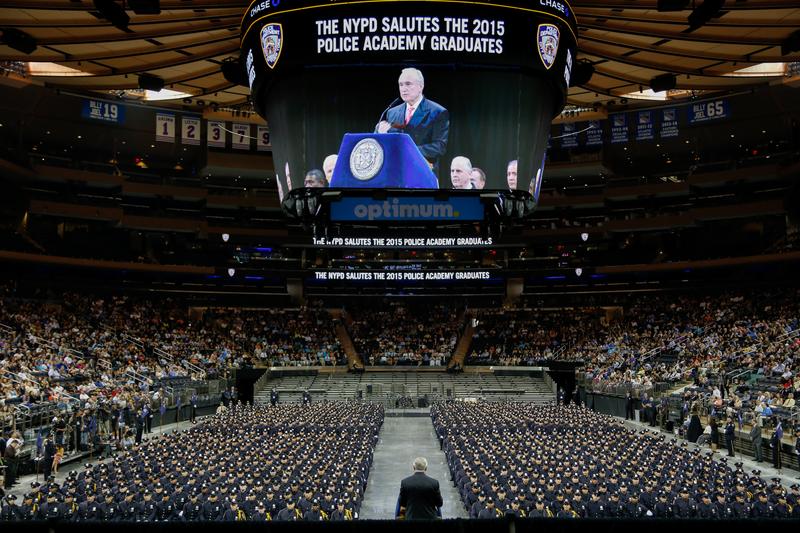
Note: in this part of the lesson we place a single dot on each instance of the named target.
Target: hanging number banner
(263, 143)
(241, 136)
(190, 131)
(215, 136)
(165, 127)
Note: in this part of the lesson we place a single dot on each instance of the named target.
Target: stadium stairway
(343, 336)
(402, 439)
(464, 344)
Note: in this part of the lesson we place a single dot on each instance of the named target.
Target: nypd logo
(272, 43)
(547, 38)
(366, 159)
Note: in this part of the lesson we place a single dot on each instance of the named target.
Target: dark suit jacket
(420, 495)
(429, 128)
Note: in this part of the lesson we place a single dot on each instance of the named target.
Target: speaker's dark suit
(429, 127)
(420, 495)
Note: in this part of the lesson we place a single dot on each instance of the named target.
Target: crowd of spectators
(95, 359)
(406, 335)
(291, 462)
(519, 337)
(570, 462)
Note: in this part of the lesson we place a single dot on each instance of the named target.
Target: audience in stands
(404, 335)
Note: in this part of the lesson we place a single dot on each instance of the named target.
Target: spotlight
(233, 72)
(113, 12)
(225, 237)
(582, 73)
(18, 40)
(150, 82)
(704, 13)
(663, 82)
(145, 7)
(672, 5)
(791, 43)
(231, 272)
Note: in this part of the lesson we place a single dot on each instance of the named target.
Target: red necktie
(409, 113)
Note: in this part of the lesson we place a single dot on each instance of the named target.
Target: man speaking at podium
(419, 497)
(424, 120)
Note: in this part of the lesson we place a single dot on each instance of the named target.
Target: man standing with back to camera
(427, 122)
(419, 493)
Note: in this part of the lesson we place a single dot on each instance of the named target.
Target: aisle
(401, 440)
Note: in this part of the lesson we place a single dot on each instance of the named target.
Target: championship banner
(619, 128)
(669, 123)
(263, 143)
(241, 137)
(165, 127)
(190, 131)
(705, 111)
(569, 139)
(644, 126)
(216, 134)
(594, 135)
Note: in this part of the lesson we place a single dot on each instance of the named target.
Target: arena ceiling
(628, 42)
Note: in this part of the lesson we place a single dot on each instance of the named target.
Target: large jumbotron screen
(408, 93)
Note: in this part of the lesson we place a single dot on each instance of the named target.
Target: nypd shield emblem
(272, 43)
(547, 38)
(366, 159)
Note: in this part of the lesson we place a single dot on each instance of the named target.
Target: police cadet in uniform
(165, 509)
(148, 508)
(315, 514)
(213, 509)
(193, 509)
(129, 510)
(566, 511)
(234, 513)
(10, 511)
(289, 513)
(338, 514)
(490, 511)
(762, 508)
(260, 514)
(706, 509)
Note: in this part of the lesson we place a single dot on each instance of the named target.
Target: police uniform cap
(11, 497)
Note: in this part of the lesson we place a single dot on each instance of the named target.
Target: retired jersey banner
(705, 111)
(569, 139)
(669, 123)
(241, 137)
(104, 111)
(619, 128)
(165, 127)
(190, 131)
(594, 135)
(644, 126)
(215, 136)
(263, 143)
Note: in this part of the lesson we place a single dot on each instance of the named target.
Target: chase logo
(262, 6)
(548, 37)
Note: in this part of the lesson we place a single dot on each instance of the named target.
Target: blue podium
(381, 160)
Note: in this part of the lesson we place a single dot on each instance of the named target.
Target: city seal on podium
(548, 37)
(366, 159)
(272, 43)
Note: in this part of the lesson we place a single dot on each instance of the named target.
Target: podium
(381, 160)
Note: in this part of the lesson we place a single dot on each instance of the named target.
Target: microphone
(394, 103)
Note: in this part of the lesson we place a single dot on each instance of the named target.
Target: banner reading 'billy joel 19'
(408, 93)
